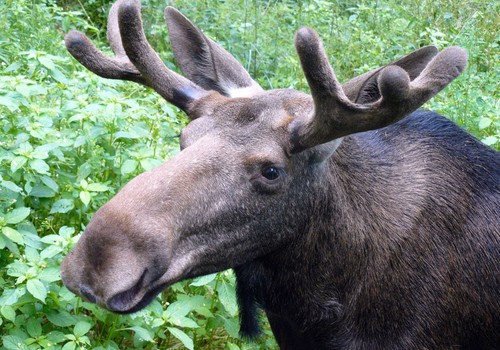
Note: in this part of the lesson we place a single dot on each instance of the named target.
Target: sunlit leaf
(183, 337)
(17, 215)
(37, 289)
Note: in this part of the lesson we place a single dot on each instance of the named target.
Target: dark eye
(271, 173)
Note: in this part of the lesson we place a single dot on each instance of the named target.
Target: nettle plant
(64, 150)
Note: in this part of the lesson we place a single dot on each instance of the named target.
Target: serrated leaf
(81, 328)
(13, 235)
(62, 206)
(227, 296)
(37, 289)
(17, 215)
(40, 166)
(142, 333)
(85, 197)
(183, 337)
(97, 187)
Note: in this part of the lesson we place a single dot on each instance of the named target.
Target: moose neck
(340, 241)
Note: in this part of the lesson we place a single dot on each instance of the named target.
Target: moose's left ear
(205, 62)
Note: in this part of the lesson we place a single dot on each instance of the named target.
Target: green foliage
(70, 140)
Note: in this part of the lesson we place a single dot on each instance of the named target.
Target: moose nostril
(87, 293)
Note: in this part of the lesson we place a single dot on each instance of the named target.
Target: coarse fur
(334, 286)
(353, 221)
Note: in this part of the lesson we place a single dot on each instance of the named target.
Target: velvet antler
(134, 59)
(335, 115)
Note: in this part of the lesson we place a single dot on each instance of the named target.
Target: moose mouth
(135, 298)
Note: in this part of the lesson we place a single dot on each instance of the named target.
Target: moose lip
(134, 298)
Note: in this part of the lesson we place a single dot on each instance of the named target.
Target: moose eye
(271, 173)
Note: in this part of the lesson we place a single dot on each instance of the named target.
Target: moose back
(352, 219)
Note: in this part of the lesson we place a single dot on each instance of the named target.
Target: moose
(352, 219)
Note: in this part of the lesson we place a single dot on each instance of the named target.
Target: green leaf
(50, 274)
(484, 123)
(184, 322)
(42, 191)
(61, 318)
(85, 197)
(8, 312)
(128, 166)
(203, 280)
(183, 337)
(40, 166)
(231, 346)
(50, 183)
(490, 140)
(62, 206)
(227, 296)
(97, 187)
(84, 171)
(17, 163)
(69, 346)
(17, 215)
(13, 235)
(142, 333)
(34, 327)
(81, 328)
(12, 342)
(179, 308)
(10, 186)
(150, 163)
(11, 296)
(37, 289)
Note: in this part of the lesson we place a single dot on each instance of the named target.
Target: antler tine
(88, 55)
(134, 60)
(336, 116)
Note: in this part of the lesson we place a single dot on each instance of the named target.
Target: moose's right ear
(205, 62)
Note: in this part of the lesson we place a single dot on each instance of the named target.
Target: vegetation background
(70, 140)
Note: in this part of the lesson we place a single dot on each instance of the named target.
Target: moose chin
(353, 219)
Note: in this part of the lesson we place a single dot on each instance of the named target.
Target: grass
(69, 141)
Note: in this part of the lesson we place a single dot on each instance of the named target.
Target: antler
(134, 60)
(336, 116)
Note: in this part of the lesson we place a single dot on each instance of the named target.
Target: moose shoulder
(353, 220)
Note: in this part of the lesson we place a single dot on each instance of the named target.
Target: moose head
(251, 164)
